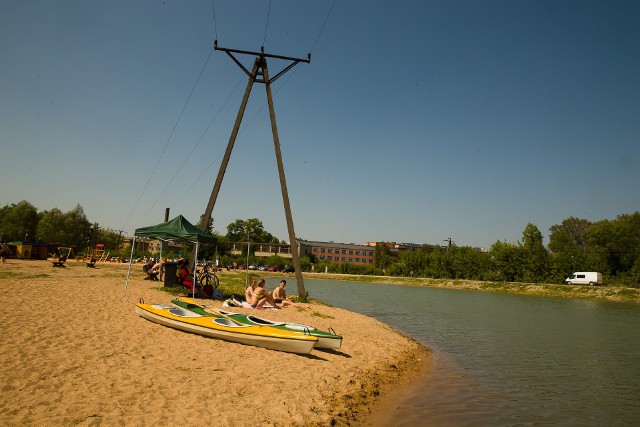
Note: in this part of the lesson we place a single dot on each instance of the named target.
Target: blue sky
(415, 121)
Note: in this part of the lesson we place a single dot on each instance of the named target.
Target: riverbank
(75, 353)
(611, 293)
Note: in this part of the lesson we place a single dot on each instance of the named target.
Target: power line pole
(260, 74)
(448, 240)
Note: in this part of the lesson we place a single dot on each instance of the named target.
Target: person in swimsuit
(280, 294)
(261, 296)
(248, 293)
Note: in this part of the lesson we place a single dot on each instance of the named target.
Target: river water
(508, 360)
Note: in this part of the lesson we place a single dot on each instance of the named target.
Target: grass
(324, 316)
(611, 293)
(22, 275)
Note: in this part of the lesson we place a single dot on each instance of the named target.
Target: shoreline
(75, 352)
(610, 293)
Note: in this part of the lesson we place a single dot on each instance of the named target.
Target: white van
(584, 278)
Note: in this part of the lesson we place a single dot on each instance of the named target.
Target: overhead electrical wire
(266, 25)
(215, 23)
(275, 93)
(184, 162)
(322, 28)
(184, 107)
(248, 123)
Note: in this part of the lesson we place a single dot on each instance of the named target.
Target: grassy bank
(612, 293)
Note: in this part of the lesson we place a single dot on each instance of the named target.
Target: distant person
(261, 297)
(156, 270)
(158, 267)
(4, 252)
(148, 265)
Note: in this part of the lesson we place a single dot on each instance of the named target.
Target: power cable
(184, 162)
(266, 24)
(323, 24)
(168, 140)
(215, 23)
(248, 122)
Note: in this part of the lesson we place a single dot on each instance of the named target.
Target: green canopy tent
(178, 230)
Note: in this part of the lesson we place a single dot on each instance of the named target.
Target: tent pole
(126, 283)
(161, 270)
(194, 273)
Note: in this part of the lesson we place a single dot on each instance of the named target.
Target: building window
(322, 250)
(330, 251)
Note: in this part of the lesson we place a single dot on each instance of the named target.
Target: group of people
(154, 270)
(257, 296)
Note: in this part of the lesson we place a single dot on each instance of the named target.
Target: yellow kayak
(227, 329)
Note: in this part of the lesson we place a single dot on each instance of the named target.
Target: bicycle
(207, 276)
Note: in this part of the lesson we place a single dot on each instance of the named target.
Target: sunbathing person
(248, 293)
(280, 294)
(260, 297)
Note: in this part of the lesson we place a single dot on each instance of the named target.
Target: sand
(73, 352)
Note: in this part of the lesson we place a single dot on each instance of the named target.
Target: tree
(19, 222)
(111, 239)
(570, 236)
(536, 260)
(613, 245)
(383, 255)
(51, 227)
(508, 261)
(76, 227)
(237, 232)
(209, 227)
(568, 247)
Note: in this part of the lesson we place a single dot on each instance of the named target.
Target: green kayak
(326, 339)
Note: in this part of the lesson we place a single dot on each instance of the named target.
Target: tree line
(24, 223)
(611, 247)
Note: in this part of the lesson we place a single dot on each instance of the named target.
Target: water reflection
(503, 359)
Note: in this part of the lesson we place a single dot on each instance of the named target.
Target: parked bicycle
(206, 275)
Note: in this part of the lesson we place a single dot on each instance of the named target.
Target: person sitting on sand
(280, 294)
(148, 265)
(261, 296)
(248, 293)
(158, 268)
(155, 270)
(185, 278)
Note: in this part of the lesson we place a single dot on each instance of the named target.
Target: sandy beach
(75, 353)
